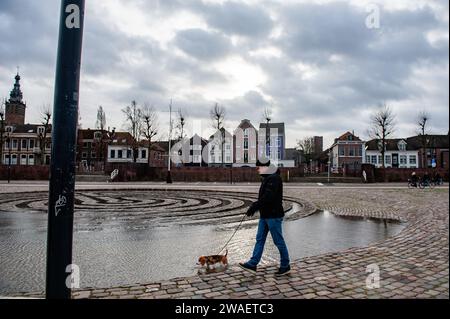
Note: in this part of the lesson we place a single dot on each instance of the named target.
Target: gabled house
(398, 153)
(271, 141)
(245, 145)
(220, 144)
(347, 153)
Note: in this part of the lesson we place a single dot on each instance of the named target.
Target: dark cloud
(236, 18)
(332, 71)
(202, 44)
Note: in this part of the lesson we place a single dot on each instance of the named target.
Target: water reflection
(113, 257)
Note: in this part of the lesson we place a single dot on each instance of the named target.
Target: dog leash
(237, 228)
(235, 231)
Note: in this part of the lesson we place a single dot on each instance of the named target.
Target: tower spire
(15, 107)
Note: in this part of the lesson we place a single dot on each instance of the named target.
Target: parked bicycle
(423, 183)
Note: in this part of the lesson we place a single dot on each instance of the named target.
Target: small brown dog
(214, 263)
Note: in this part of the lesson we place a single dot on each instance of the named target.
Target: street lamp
(8, 140)
(329, 166)
(169, 176)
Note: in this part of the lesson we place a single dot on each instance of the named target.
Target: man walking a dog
(270, 207)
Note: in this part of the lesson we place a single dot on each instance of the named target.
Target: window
(403, 160)
(14, 144)
(246, 132)
(279, 154)
(98, 135)
(119, 154)
(245, 144)
(412, 159)
(351, 152)
(380, 159)
(113, 154)
(374, 159)
(228, 159)
(144, 154)
(93, 155)
(128, 153)
(341, 151)
(31, 160)
(24, 144)
(402, 146)
(84, 155)
(368, 159)
(350, 138)
(228, 147)
(14, 159)
(388, 159)
(23, 159)
(279, 141)
(31, 144)
(41, 130)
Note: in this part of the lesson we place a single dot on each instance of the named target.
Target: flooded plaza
(127, 237)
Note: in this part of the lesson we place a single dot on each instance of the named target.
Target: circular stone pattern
(141, 208)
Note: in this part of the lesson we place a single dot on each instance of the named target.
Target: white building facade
(397, 154)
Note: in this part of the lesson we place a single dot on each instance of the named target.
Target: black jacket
(270, 198)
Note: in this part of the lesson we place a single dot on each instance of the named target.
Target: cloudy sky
(317, 64)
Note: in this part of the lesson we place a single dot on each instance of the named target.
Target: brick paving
(412, 264)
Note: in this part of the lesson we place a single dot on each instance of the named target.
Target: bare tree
(181, 123)
(46, 116)
(217, 114)
(382, 126)
(133, 123)
(149, 127)
(306, 145)
(101, 119)
(2, 130)
(422, 120)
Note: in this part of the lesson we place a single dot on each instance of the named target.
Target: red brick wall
(141, 172)
(25, 172)
(403, 174)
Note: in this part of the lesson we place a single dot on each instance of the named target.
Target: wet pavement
(128, 237)
(414, 263)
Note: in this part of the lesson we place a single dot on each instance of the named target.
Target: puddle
(113, 257)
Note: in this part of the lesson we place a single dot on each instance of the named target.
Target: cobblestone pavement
(412, 264)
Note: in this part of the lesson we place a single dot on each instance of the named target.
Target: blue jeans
(274, 225)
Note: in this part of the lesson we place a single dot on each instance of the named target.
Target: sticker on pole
(73, 19)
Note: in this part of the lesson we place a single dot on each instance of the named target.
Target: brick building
(433, 150)
(347, 153)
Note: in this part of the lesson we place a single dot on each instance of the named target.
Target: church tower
(15, 107)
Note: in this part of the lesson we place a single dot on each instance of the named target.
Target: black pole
(64, 136)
